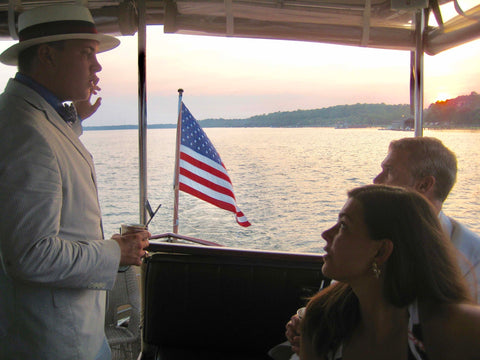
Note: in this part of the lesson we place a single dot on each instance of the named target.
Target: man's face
(395, 170)
(76, 66)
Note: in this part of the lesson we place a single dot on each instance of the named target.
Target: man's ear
(46, 54)
(425, 185)
(384, 251)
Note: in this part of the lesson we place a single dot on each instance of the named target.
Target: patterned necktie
(69, 114)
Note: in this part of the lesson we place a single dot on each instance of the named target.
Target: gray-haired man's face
(395, 170)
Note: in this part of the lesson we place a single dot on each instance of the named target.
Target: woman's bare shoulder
(452, 331)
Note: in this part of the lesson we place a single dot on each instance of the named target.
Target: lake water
(290, 183)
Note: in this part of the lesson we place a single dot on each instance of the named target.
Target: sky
(238, 78)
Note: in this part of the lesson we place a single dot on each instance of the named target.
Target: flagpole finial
(180, 91)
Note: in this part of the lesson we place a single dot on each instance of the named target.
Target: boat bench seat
(202, 302)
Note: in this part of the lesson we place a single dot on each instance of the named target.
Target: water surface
(290, 183)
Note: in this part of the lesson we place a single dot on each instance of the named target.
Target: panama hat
(53, 23)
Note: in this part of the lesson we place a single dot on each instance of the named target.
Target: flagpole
(176, 189)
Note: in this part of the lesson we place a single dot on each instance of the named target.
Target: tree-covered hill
(358, 115)
(461, 112)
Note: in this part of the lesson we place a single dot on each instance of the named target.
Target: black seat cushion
(218, 300)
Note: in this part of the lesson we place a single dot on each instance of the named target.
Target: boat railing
(172, 237)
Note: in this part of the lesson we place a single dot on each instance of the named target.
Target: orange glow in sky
(442, 96)
(239, 78)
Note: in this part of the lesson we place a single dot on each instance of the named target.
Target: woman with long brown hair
(399, 293)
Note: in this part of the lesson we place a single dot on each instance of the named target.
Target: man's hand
(132, 247)
(293, 333)
(86, 109)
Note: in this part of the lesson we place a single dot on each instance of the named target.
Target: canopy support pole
(142, 109)
(366, 22)
(12, 4)
(418, 70)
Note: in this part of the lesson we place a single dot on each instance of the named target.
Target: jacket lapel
(51, 115)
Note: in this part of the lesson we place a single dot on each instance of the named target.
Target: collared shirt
(446, 224)
(53, 100)
(468, 245)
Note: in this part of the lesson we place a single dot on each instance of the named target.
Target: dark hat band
(57, 28)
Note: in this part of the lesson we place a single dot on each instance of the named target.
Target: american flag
(202, 173)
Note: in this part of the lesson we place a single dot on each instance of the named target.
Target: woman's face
(350, 252)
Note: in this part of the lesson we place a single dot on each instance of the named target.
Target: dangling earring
(376, 270)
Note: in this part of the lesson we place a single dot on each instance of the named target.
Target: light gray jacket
(468, 244)
(54, 265)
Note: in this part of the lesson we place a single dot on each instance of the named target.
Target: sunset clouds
(238, 78)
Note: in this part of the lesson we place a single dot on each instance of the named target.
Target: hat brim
(10, 55)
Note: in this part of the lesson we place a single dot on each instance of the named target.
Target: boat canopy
(387, 24)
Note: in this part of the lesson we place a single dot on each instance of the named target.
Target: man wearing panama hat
(54, 264)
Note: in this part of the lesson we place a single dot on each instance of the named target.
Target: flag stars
(195, 138)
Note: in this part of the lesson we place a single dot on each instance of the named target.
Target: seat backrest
(124, 301)
(223, 299)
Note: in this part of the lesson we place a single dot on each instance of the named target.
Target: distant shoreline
(173, 126)
(459, 113)
(128, 127)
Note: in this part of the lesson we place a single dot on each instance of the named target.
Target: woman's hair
(422, 266)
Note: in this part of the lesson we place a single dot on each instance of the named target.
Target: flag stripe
(239, 216)
(184, 186)
(202, 173)
(242, 219)
(206, 182)
(203, 162)
(208, 191)
(202, 166)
